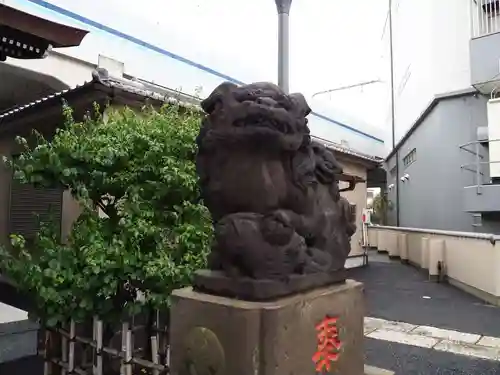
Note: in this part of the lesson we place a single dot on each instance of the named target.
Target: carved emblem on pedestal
(203, 353)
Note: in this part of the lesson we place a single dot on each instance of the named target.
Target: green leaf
(52, 321)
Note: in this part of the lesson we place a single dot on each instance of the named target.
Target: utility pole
(283, 7)
(393, 116)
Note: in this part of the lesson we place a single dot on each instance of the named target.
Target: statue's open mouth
(262, 121)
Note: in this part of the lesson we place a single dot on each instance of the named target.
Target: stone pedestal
(213, 335)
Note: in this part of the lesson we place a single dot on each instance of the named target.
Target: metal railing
(438, 232)
(485, 18)
(482, 177)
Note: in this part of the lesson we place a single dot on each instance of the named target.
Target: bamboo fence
(132, 350)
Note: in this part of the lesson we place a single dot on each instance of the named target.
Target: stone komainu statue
(273, 193)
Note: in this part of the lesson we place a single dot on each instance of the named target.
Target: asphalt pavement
(402, 293)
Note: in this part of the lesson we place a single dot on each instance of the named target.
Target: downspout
(393, 121)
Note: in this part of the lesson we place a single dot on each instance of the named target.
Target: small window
(410, 158)
(477, 220)
(352, 211)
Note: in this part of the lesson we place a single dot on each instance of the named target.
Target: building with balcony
(444, 170)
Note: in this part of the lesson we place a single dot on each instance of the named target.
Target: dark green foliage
(381, 206)
(139, 170)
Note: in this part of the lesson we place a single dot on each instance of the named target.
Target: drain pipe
(393, 116)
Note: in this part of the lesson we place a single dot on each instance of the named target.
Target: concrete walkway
(445, 340)
(418, 327)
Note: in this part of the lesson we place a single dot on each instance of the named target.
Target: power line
(361, 84)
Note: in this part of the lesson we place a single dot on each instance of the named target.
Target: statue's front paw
(282, 217)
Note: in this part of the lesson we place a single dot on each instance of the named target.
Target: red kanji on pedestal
(328, 344)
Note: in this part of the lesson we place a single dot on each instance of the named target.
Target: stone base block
(223, 336)
(217, 283)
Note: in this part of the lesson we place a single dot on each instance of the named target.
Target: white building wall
(431, 54)
(68, 71)
(451, 45)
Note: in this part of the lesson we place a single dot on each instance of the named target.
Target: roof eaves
(420, 119)
(143, 93)
(56, 34)
(19, 109)
(105, 83)
(347, 151)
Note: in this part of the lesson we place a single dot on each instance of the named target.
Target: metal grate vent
(26, 202)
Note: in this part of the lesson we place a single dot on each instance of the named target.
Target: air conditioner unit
(482, 134)
(493, 109)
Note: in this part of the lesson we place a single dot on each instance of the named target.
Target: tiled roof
(346, 150)
(142, 89)
(11, 111)
(102, 80)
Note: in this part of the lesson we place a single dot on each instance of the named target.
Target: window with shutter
(28, 202)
